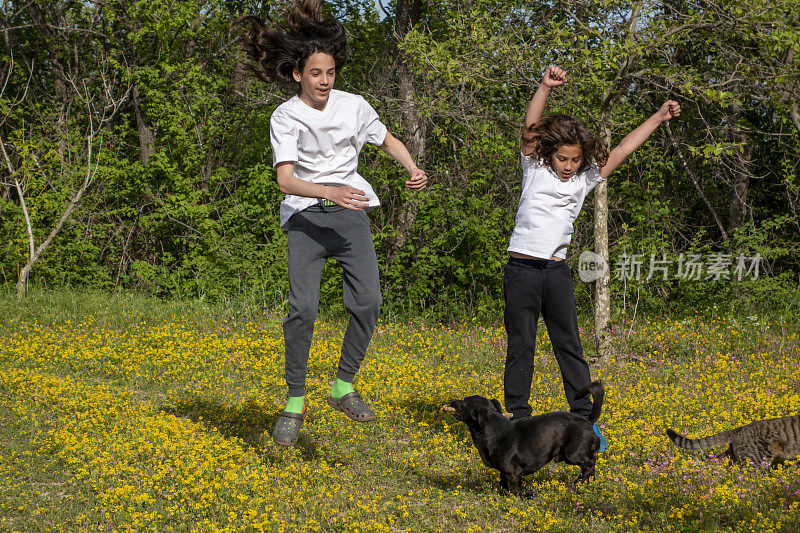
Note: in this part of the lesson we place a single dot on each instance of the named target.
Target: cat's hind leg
(778, 451)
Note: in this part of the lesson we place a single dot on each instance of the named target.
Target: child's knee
(303, 312)
(367, 303)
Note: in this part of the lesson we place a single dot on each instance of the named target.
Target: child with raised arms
(316, 138)
(562, 161)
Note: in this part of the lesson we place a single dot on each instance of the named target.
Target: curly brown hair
(542, 139)
(276, 50)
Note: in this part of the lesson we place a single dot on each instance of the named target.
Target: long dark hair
(277, 49)
(542, 139)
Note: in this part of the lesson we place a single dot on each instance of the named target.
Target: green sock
(340, 388)
(295, 404)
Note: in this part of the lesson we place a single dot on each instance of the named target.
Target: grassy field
(123, 414)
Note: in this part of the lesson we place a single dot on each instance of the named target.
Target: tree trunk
(413, 127)
(602, 287)
(412, 124)
(407, 18)
(741, 184)
(22, 282)
(147, 138)
(36, 253)
(790, 90)
(741, 173)
(43, 26)
(60, 86)
(795, 114)
(24, 207)
(4, 197)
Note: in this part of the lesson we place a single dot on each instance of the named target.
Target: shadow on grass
(468, 481)
(476, 480)
(426, 410)
(251, 422)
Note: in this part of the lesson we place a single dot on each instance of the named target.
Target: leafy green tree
(133, 119)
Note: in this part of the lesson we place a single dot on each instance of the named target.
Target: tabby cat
(765, 442)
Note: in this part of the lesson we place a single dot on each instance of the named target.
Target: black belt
(535, 263)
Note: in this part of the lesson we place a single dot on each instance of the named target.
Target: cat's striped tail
(705, 443)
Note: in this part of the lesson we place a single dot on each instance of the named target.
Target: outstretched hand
(554, 77)
(418, 180)
(669, 109)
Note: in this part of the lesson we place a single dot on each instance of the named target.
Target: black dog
(520, 447)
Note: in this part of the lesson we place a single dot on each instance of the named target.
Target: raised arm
(395, 148)
(552, 78)
(634, 139)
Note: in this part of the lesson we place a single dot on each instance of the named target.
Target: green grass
(124, 412)
(118, 309)
(35, 488)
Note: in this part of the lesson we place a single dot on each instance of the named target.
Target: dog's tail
(712, 441)
(597, 391)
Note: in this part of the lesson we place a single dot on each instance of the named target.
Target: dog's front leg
(503, 481)
(514, 485)
(587, 471)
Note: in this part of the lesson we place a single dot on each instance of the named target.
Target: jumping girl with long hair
(316, 138)
(562, 161)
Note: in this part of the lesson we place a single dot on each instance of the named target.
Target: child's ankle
(295, 404)
(340, 388)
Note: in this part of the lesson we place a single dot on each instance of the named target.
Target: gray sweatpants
(314, 235)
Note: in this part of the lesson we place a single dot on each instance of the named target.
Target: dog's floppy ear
(482, 414)
(497, 405)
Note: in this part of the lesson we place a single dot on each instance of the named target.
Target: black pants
(532, 287)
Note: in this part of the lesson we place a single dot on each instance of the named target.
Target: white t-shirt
(548, 207)
(324, 145)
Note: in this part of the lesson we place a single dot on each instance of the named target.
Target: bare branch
(696, 183)
(20, 193)
(624, 65)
